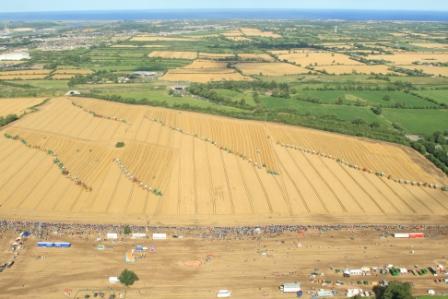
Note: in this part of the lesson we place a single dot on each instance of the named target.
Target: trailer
(353, 272)
(416, 235)
(401, 235)
(290, 287)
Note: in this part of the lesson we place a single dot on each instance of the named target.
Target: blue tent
(45, 244)
(25, 234)
(62, 244)
(54, 244)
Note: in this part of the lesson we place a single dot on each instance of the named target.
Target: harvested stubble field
(204, 71)
(192, 267)
(407, 58)
(17, 105)
(270, 68)
(209, 170)
(312, 57)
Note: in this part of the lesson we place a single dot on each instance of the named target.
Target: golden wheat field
(312, 57)
(24, 74)
(17, 105)
(62, 163)
(204, 71)
(270, 68)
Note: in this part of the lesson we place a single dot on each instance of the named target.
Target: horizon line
(228, 9)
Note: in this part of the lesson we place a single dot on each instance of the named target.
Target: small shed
(159, 236)
(112, 236)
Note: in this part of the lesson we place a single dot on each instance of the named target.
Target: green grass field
(382, 98)
(418, 121)
(438, 95)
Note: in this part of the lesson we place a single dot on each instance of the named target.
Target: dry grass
(174, 55)
(137, 46)
(204, 71)
(310, 57)
(431, 45)
(24, 74)
(407, 58)
(255, 32)
(431, 70)
(203, 77)
(211, 170)
(152, 38)
(192, 267)
(270, 69)
(215, 55)
(349, 69)
(259, 57)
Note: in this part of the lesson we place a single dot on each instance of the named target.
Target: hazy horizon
(112, 5)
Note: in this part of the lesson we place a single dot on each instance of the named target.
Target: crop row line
(56, 160)
(364, 169)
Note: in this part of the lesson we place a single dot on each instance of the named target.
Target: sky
(64, 5)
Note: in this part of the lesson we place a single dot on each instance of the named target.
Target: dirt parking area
(197, 267)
